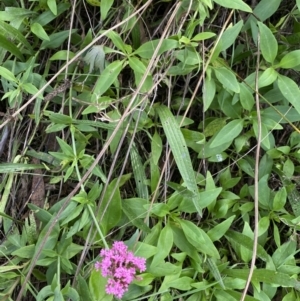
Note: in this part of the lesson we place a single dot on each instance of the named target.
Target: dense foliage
(172, 126)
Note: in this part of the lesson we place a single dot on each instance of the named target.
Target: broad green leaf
(30, 88)
(268, 43)
(107, 78)
(10, 31)
(180, 152)
(228, 133)
(39, 31)
(266, 8)
(156, 147)
(209, 91)
(267, 78)
(105, 7)
(52, 5)
(44, 293)
(97, 285)
(198, 238)
(147, 49)
(206, 198)
(182, 283)
(20, 13)
(290, 60)
(118, 42)
(234, 4)
(136, 65)
(110, 211)
(7, 74)
(135, 211)
(62, 55)
(229, 36)
(83, 289)
(279, 199)
(284, 253)
(265, 276)
(57, 39)
(164, 245)
(47, 16)
(245, 241)
(246, 97)
(290, 91)
(58, 118)
(219, 230)
(10, 47)
(227, 79)
(263, 225)
(215, 271)
(203, 36)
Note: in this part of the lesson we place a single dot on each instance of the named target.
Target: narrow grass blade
(139, 173)
(180, 152)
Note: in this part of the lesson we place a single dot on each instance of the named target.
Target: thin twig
(256, 212)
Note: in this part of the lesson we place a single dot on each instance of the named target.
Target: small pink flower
(120, 265)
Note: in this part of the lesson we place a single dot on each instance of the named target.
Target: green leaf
(110, 211)
(57, 39)
(180, 152)
(245, 241)
(290, 60)
(227, 79)
(264, 276)
(52, 5)
(205, 199)
(199, 239)
(117, 41)
(97, 285)
(164, 245)
(290, 91)
(24, 252)
(107, 78)
(279, 199)
(10, 47)
(203, 36)
(234, 4)
(13, 33)
(58, 118)
(263, 225)
(30, 88)
(105, 7)
(228, 133)
(246, 97)
(147, 49)
(268, 43)
(209, 91)
(156, 147)
(219, 230)
(139, 173)
(83, 289)
(267, 78)
(62, 55)
(7, 74)
(44, 293)
(229, 36)
(47, 16)
(266, 8)
(17, 167)
(136, 65)
(39, 31)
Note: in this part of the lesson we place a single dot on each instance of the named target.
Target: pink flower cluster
(120, 266)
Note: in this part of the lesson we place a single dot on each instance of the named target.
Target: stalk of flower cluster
(120, 266)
